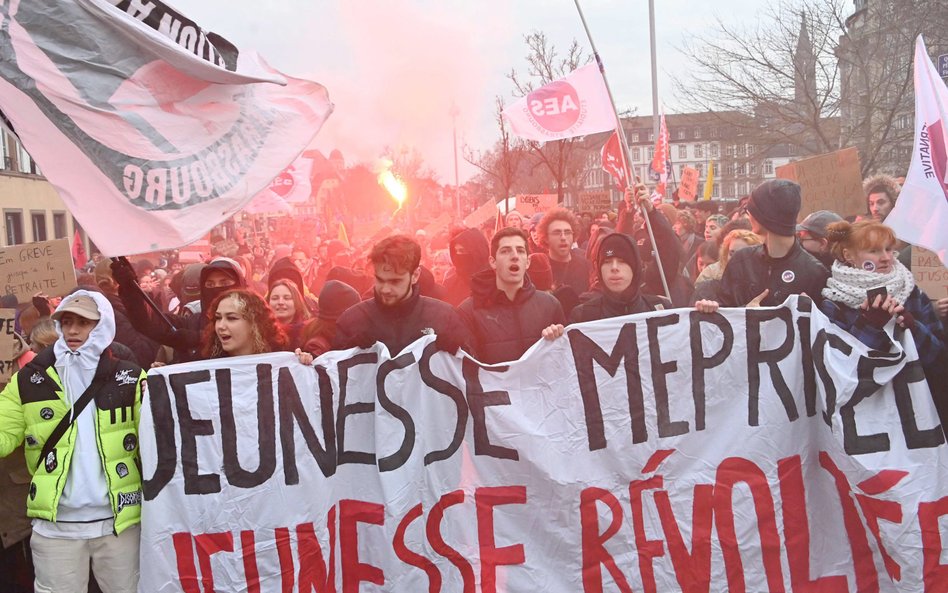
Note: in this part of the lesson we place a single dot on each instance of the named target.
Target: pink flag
(920, 216)
(575, 105)
(612, 160)
(151, 129)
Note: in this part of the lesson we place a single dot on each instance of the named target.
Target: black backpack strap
(102, 372)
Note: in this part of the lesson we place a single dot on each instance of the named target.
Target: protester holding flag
(77, 407)
(866, 260)
(619, 270)
(180, 332)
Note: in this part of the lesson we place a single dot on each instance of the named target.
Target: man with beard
(557, 232)
(398, 315)
(505, 313)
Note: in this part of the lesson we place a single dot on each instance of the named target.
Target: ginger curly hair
(268, 336)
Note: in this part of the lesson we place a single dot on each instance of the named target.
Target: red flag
(659, 166)
(79, 258)
(612, 160)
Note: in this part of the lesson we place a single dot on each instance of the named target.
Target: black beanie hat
(335, 298)
(617, 245)
(775, 204)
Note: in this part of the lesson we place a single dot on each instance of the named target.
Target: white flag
(576, 105)
(920, 216)
(151, 129)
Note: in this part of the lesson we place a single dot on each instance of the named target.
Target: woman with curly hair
(244, 324)
(866, 259)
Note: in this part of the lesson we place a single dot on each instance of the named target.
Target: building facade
(31, 208)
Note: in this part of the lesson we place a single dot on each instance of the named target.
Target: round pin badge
(868, 266)
(122, 470)
(46, 413)
(129, 442)
(788, 276)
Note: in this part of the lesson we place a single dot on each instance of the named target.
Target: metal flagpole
(625, 149)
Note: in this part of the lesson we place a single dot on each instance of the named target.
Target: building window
(715, 133)
(24, 162)
(680, 134)
(636, 154)
(5, 162)
(750, 150)
(768, 167)
(716, 190)
(740, 169)
(697, 133)
(651, 135)
(38, 222)
(13, 224)
(635, 136)
(729, 170)
(699, 151)
(700, 168)
(729, 150)
(715, 151)
(682, 151)
(651, 153)
(753, 169)
(741, 150)
(59, 225)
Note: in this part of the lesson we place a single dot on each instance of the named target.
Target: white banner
(575, 105)
(151, 130)
(754, 449)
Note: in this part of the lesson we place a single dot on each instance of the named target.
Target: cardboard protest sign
(688, 187)
(931, 275)
(7, 343)
(594, 201)
(44, 266)
(745, 450)
(831, 181)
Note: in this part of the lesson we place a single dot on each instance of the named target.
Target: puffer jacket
(398, 326)
(502, 330)
(604, 304)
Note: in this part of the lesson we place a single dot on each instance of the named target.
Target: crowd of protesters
(492, 292)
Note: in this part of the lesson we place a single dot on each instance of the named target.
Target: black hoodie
(185, 336)
(605, 303)
(502, 329)
(475, 258)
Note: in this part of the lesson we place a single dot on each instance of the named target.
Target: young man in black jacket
(620, 282)
(767, 274)
(398, 315)
(506, 314)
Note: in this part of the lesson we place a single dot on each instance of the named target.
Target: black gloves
(122, 272)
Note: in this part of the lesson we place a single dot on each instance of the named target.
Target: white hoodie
(85, 498)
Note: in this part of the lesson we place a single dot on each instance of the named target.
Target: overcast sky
(394, 67)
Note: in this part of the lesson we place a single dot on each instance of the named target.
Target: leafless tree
(848, 83)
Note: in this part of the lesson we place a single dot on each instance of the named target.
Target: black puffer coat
(604, 304)
(502, 329)
(398, 326)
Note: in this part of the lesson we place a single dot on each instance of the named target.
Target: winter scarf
(848, 285)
